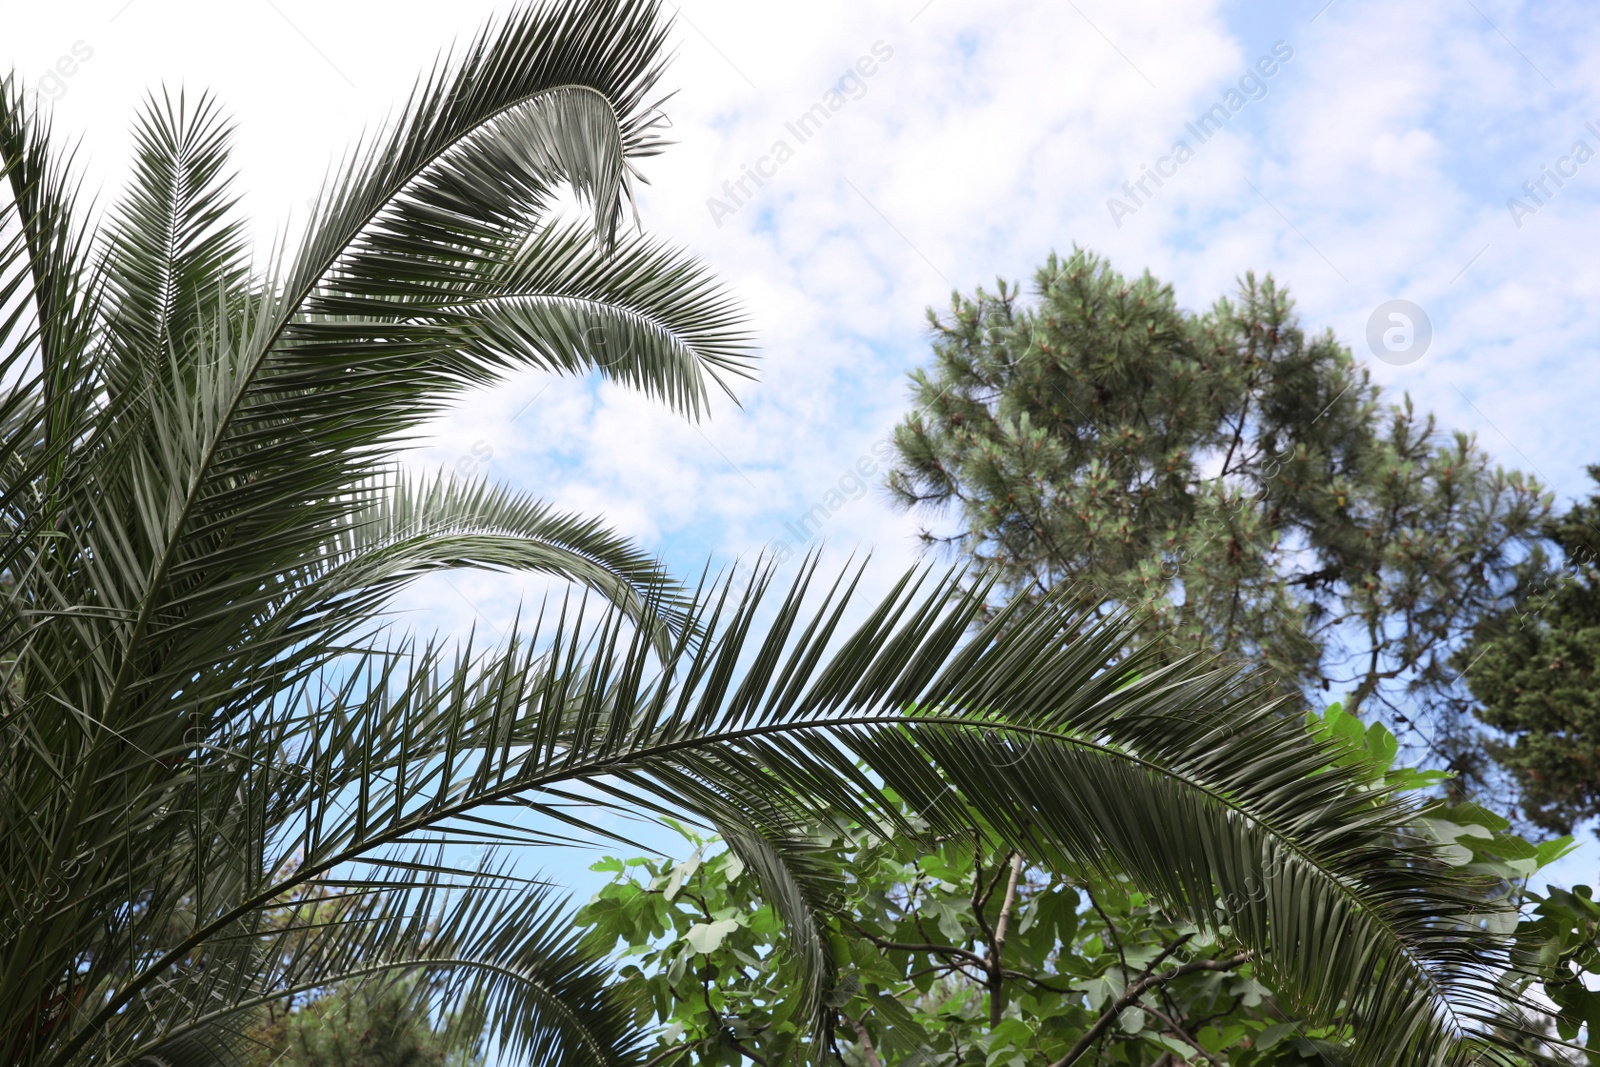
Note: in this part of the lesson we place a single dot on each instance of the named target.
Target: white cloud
(991, 135)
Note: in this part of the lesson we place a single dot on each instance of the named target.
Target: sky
(1444, 154)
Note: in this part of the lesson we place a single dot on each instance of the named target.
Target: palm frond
(413, 526)
(244, 453)
(174, 255)
(1184, 778)
(48, 307)
(499, 957)
(802, 891)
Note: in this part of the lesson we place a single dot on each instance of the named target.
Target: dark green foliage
(1561, 944)
(1237, 481)
(366, 1024)
(1533, 669)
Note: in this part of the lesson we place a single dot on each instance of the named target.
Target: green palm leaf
(1179, 777)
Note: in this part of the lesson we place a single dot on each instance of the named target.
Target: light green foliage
(917, 931)
(1233, 478)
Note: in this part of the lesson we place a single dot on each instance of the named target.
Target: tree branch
(979, 897)
(908, 946)
(1024, 976)
(1007, 903)
(1111, 927)
(1137, 989)
(869, 1053)
(1183, 1035)
(997, 943)
(666, 1054)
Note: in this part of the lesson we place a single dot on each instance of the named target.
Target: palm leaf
(1184, 778)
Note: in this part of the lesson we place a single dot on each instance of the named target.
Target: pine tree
(1239, 483)
(367, 1024)
(1533, 668)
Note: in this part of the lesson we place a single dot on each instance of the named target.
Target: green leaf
(1214, 1040)
(950, 923)
(1382, 746)
(1273, 1034)
(706, 938)
(732, 866)
(1470, 814)
(1102, 990)
(1547, 852)
(681, 872)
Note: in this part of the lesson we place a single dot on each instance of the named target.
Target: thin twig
(1137, 989)
(918, 946)
(665, 1054)
(1172, 1024)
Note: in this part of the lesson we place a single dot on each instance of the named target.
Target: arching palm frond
(502, 952)
(48, 314)
(1178, 776)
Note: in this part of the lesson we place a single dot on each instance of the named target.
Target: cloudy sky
(1376, 163)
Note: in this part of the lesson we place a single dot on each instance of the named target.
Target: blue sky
(1376, 165)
